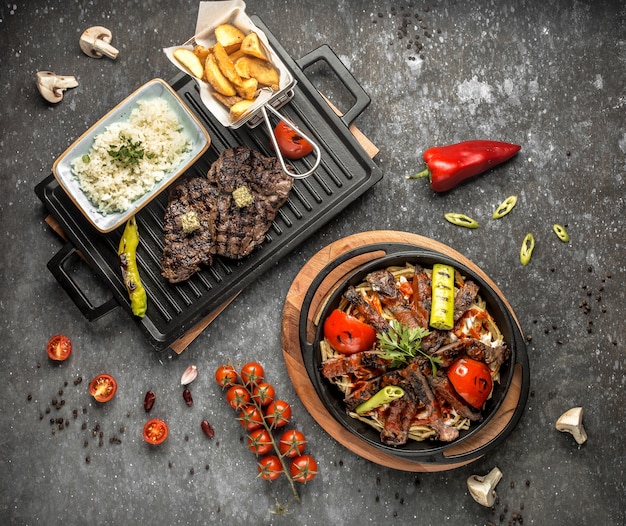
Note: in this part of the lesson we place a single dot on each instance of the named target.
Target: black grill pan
(345, 172)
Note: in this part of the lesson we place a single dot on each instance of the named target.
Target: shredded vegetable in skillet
(441, 378)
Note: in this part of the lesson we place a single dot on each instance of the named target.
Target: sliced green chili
(527, 249)
(505, 207)
(561, 233)
(384, 396)
(461, 220)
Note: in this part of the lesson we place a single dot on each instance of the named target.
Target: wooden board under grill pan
(498, 427)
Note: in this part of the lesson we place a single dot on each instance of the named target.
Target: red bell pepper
(448, 165)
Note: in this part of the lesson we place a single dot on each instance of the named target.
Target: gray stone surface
(548, 75)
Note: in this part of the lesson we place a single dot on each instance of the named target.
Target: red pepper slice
(448, 165)
(347, 334)
(292, 145)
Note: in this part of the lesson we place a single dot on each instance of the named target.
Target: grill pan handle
(57, 267)
(325, 53)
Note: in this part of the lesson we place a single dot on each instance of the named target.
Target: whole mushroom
(483, 489)
(51, 86)
(95, 42)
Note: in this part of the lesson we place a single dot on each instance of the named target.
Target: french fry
(216, 78)
(225, 64)
(190, 61)
(229, 36)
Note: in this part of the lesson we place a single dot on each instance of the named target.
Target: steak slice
(185, 251)
(240, 229)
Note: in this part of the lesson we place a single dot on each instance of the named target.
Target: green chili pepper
(505, 207)
(384, 396)
(442, 304)
(527, 249)
(461, 220)
(127, 252)
(561, 233)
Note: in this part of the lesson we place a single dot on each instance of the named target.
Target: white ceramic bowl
(155, 88)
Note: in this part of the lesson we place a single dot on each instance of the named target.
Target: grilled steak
(185, 252)
(239, 230)
(204, 218)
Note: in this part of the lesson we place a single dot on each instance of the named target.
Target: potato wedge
(251, 45)
(190, 61)
(264, 72)
(216, 78)
(239, 109)
(248, 88)
(201, 52)
(229, 36)
(225, 64)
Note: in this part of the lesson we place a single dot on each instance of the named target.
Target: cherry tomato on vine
(291, 144)
(252, 373)
(278, 413)
(237, 396)
(291, 443)
(59, 348)
(347, 334)
(155, 431)
(303, 468)
(103, 387)
(260, 441)
(250, 418)
(226, 375)
(270, 467)
(263, 393)
(472, 380)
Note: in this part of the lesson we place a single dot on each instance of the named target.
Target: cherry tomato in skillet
(347, 334)
(472, 380)
(263, 394)
(260, 442)
(292, 145)
(237, 396)
(278, 414)
(155, 431)
(225, 375)
(252, 373)
(59, 348)
(103, 387)
(251, 418)
(303, 468)
(270, 467)
(291, 443)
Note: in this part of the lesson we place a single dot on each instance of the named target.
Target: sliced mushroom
(572, 422)
(51, 86)
(483, 489)
(95, 43)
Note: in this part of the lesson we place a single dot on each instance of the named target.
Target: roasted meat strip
(465, 296)
(384, 283)
(365, 364)
(370, 315)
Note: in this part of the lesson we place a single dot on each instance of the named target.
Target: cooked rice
(111, 186)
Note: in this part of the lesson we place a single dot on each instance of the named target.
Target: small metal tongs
(316, 148)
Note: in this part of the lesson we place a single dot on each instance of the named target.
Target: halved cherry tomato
(270, 467)
(155, 431)
(472, 380)
(278, 414)
(303, 468)
(250, 418)
(103, 387)
(347, 334)
(237, 396)
(225, 375)
(263, 394)
(252, 373)
(260, 442)
(292, 443)
(292, 145)
(59, 348)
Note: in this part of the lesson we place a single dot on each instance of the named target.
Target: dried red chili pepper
(448, 165)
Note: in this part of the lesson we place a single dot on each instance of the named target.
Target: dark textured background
(547, 75)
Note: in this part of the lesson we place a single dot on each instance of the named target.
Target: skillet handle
(325, 53)
(57, 266)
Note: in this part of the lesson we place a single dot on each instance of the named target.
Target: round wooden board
(493, 432)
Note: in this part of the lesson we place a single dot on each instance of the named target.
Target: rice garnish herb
(129, 158)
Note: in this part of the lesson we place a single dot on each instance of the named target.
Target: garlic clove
(572, 422)
(189, 375)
